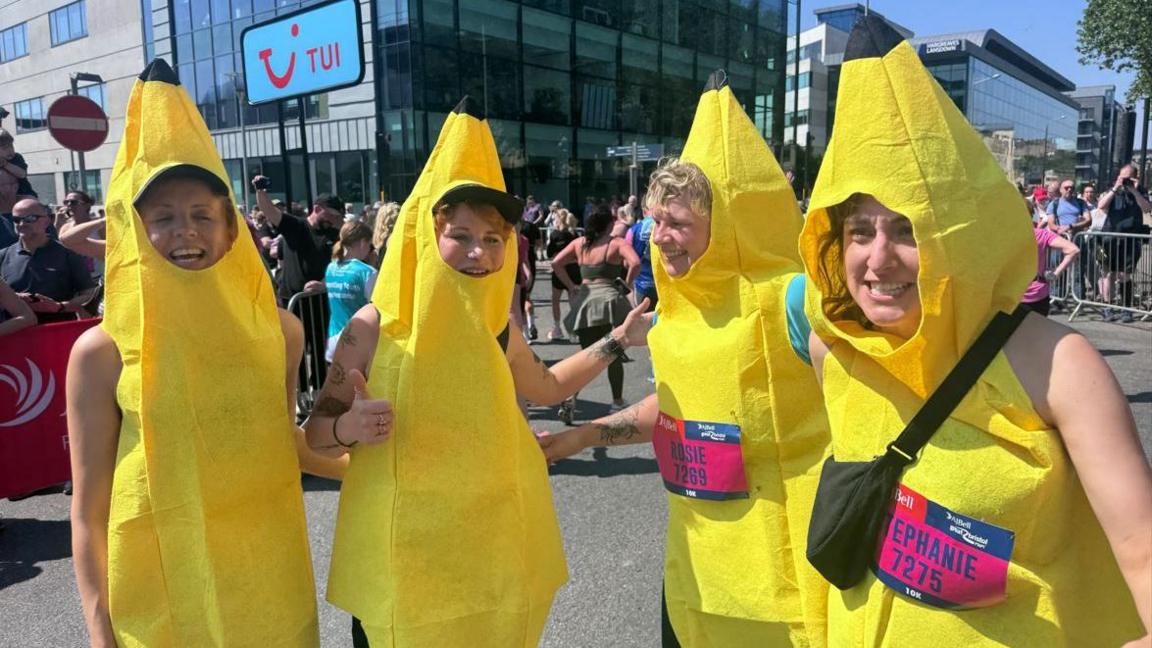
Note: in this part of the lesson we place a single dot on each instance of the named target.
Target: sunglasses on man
(24, 220)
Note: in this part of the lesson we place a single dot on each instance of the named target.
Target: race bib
(700, 459)
(942, 558)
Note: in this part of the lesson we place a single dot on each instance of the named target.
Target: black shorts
(573, 274)
(531, 231)
(1123, 253)
(1042, 307)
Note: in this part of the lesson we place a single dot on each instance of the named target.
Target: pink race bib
(941, 558)
(700, 459)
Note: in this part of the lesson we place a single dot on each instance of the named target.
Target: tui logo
(33, 395)
(280, 81)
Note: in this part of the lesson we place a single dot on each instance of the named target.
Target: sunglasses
(24, 220)
(71, 202)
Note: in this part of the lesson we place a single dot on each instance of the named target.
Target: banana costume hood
(735, 572)
(1044, 574)
(446, 534)
(207, 543)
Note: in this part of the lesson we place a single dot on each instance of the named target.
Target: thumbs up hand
(367, 421)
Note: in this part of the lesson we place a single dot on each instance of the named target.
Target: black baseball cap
(509, 206)
(186, 172)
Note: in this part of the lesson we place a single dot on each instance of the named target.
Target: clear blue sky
(1044, 28)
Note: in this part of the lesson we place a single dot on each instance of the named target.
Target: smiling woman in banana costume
(446, 534)
(1029, 507)
(736, 422)
(188, 521)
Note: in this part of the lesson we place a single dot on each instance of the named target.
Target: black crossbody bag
(853, 496)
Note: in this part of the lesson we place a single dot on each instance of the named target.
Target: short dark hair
(6, 138)
(330, 201)
(599, 223)
(1088, 185)
(83, 196)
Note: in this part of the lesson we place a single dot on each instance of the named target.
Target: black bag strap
(959, 381)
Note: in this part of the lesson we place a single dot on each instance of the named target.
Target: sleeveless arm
(93, 433)
(630, 426)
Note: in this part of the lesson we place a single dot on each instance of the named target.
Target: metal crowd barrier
(1112, 274)
(311, 308)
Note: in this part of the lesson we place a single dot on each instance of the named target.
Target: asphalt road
(612, 514)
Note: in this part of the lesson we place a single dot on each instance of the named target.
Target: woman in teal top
(349, 279)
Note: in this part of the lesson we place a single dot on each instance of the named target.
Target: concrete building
(44, 42)
(821, 52)
(1105, 133)
(562, 80)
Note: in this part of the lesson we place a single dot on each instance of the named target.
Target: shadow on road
(606, 467)
(313, 484)
(1142, 397)
(1114, 352)
(24, 542)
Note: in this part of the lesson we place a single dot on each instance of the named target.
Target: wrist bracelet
(334, 436)
(612, 346)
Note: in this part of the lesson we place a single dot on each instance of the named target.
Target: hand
(560, 445)
(634, 330)
(1142, 642)
(367, 421)
(44, 305)
(258, 179)
(314, 286)
(1062, 229)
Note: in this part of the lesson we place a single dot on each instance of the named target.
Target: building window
(14, 42)
(30, 115)
(790, 82)
(1087, 113)
(803, 119)
(95, 93)
(68, 23)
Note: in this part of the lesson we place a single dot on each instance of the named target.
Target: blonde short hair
(684, 180)
(385, 220)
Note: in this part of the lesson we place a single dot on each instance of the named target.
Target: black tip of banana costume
(716, 81)
(468, 106)
(159, 70)
(871, 38)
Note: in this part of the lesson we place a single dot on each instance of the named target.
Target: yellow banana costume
(735, 571)
(207, 543)
(447, 535)
(901, 139)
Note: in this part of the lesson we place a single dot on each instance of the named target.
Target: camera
(262, 183)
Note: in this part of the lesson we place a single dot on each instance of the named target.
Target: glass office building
(561, 80)
(1015, 101)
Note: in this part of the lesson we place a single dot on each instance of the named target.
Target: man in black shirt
(305, 251)
(1125, 204)
(307, 247)
(53, 279)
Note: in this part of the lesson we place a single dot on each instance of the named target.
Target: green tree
(1117, 35)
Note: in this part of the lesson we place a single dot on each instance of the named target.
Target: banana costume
(207, 543)
(994, 463)
(446, 535)
(735, 571)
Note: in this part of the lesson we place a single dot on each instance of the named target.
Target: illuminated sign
(304, 52)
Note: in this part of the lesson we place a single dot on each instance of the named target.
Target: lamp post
(239, 90)
(76, 78)
(796, 92)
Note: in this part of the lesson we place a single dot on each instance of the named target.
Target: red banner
(33, 429)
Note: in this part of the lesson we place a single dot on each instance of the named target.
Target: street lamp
(1043, 172)
(239, 90)
(987, 78)
(76, 78)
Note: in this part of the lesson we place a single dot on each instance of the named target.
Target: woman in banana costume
(913, 243)
(188, 523)
(740, 451)
(446, 534)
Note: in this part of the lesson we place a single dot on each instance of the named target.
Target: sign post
(78, 124)
(315, 49)
(638, 153)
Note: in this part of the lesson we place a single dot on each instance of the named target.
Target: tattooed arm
(632, 425)
(310, 461)
(343, 388)
(544, 385)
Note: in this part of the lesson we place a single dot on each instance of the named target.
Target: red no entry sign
(77, 123)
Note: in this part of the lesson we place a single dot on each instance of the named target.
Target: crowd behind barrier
(1112, 276)
(312, 309)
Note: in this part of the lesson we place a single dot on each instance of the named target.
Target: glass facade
(1030, 132)
(561, 80)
